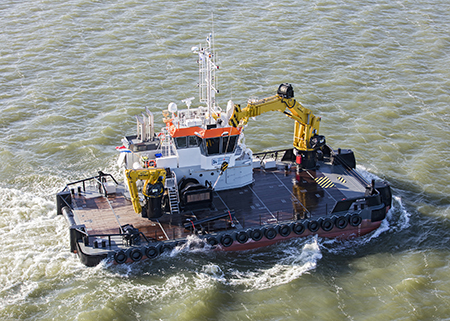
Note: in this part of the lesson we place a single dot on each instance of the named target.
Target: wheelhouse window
(229, 143)
(213, 146)
(219, 145)
(187, 142)
(194, 141)
(181, 142)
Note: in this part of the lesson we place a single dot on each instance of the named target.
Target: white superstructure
(197, 144)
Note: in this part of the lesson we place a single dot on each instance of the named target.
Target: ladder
(174, 198)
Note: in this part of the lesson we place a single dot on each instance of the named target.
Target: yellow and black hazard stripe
(342, 179)
(223, 167)
(324, 182)
(234, 120)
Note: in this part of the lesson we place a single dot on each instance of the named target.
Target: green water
(74, 73)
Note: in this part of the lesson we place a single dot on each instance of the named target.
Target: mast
(207, 76)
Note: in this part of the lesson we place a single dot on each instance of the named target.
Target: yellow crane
(153, 186)
(306, 131)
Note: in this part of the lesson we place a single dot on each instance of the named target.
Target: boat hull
(347, 233)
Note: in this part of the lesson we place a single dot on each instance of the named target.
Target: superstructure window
(220, 145)
(229, 143)
(181, 142)
(194, 141)
(187, 142)
(213, 145)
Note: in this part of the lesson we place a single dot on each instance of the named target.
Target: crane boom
(306, 131)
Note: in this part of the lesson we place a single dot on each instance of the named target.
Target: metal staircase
(174, 198)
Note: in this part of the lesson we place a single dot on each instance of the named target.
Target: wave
(297, 261)
(34, 244)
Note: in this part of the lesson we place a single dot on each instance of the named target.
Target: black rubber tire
(313, 226)
(211, 240)
(284, 230)
(256, 235)
(120, 257)
(166, 248)
(241, 237)
(226, 240)
(270, 233)
(355, 220)
(341, 222)
(298, 228)
(136, 254)
(151, 252)
(327, 224)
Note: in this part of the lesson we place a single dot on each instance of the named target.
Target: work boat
(195, 184)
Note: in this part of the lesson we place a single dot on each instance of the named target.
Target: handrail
(193, 224)
(84, 233)
(271, 152)
(96, 178)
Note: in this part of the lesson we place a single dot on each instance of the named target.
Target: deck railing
(100, 179)
(275, 154)
(118, 236)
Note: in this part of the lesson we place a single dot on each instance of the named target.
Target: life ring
(313, 226)
(256, 234)
(150, 163)
(136, 254)
(241, 237)
(211, 240)
(120, 257)
(270, 233)
(355, 220)
(341, 222)
(162, 136)
(151, 252)
(284, 230)
(327, 224)
(226, 240)
(298, 228)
